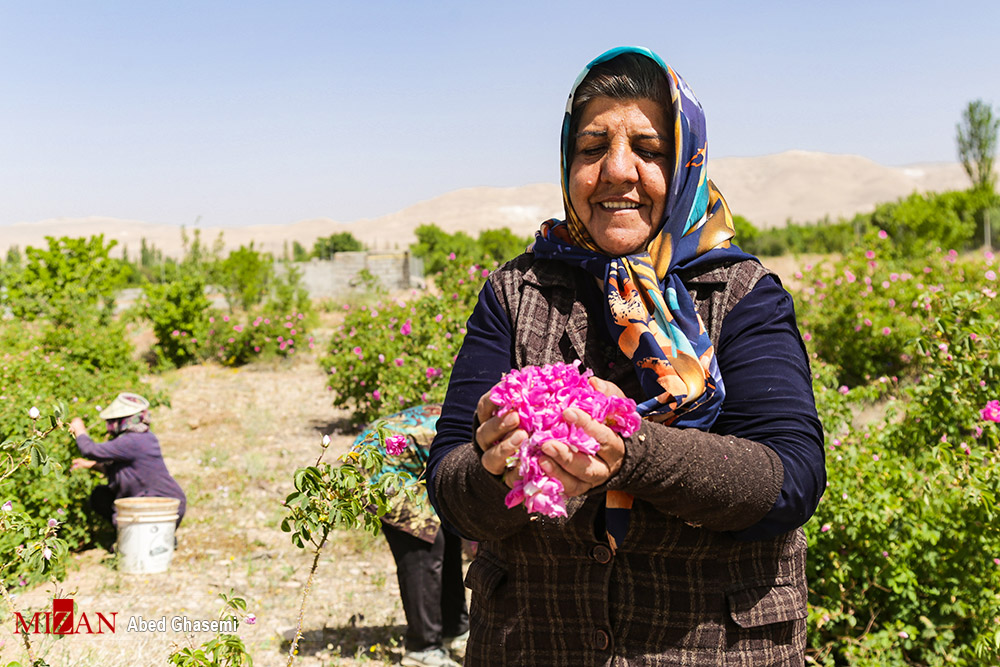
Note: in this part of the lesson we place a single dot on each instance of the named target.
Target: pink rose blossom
(406, 328)
(882, 234)
(539, 395)
(991, 412)
(395, 444)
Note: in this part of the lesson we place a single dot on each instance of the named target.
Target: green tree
(14, 256)
(746, 233)
(71, 273)
(438, 248)
(501, 244)
(299, 252)
(977, 143)
(327, 246)
(244, 276)
(179, 313)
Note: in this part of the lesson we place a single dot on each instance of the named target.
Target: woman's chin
(620, 233)
(619, 245)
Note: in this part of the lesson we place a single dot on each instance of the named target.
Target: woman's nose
(619, 165)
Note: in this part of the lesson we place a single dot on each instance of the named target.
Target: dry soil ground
(233, 438)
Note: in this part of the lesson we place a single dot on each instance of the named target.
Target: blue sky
(253, 112)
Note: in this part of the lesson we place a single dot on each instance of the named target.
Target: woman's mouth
(618, 205)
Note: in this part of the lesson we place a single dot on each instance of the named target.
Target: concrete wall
(395, 270)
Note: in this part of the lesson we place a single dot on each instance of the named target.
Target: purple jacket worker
(131, 459)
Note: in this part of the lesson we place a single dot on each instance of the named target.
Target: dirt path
(232, 438)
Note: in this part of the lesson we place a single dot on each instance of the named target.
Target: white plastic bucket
(146, 533)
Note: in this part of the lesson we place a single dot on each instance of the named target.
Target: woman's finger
(605, 387)
(485, 408)
(577, 475)
(495, 428)
(495, 456)
(587, 470)
(612, 449)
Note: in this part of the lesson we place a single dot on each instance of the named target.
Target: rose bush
(861, 313)
(43, 365)
(904, 561)
(396, 354)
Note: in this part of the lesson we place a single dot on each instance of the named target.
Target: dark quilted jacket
(550, 592)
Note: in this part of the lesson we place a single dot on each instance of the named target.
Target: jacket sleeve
(760, 471)
(118, 449)
(468, 498)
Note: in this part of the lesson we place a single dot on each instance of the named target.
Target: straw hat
(124, 405)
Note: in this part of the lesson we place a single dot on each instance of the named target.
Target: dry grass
(232, 438)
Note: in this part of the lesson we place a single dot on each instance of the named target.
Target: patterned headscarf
(650, 313)
(132, 424)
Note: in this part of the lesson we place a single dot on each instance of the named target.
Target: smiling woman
(681, 542)
(619, 174)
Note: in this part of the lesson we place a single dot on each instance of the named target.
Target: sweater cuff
(717, 481)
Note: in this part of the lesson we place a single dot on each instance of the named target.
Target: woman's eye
(648, 154)
(592, 151)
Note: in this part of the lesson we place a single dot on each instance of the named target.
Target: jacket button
(601, 554)
(601, 640)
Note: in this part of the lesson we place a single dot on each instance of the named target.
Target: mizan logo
(63, 621)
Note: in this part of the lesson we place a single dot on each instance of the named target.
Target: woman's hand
(82, 463)
(499, 438)
(579, 472)
(76, 426)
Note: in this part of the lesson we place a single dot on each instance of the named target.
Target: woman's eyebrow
(591, 133)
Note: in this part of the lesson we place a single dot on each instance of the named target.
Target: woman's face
(620, 171)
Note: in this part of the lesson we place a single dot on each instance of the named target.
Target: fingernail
(546, 466)
(571, 415)
(510, 419)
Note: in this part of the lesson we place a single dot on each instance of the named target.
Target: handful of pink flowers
(539, 394)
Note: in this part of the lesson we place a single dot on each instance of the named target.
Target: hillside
(769, 190)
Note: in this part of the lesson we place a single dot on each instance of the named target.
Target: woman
(428, 559)
(131, 460)
(682, 542)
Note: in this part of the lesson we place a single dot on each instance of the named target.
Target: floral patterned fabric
(418, 425)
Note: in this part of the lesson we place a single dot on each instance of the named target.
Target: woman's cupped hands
(500, 436)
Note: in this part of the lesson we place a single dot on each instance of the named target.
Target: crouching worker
(428, 558)
(131, 460)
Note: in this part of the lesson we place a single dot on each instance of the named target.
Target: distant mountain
(769, 190)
